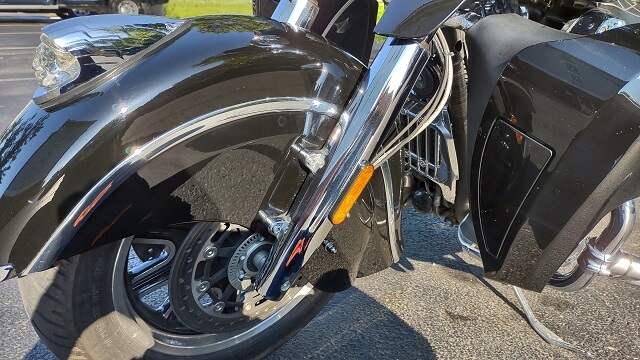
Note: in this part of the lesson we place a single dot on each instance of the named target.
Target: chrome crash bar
(603, 255)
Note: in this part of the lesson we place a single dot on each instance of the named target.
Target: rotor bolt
(219, 306)
(203, 287)
(242, 258)
(241, 274)
(210, 252)
(285, 286)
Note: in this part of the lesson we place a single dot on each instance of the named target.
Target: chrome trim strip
(336, 17)
(97, 36)
(300, 13)
(351, 144)
(5, 270)
(65, 231)
(391, 218)
(112, 43)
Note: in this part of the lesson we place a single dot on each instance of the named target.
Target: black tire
(47, 299)
(62, 13)
(121, 6)
(73, 309)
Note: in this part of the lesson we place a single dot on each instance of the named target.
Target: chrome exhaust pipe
(620, 265)
(604, 257)
(601, 257)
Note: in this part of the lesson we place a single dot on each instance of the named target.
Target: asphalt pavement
(432, 304)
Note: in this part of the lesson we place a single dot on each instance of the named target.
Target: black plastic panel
(512, 163)
(580, 97)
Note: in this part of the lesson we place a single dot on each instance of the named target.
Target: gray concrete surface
(429, 305)
(19, 37)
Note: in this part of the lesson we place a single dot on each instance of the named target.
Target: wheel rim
(148, 301)
(128, 7)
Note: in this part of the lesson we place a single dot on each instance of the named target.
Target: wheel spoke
(143, 270)
(146, 285)
(222, 238)
(150, 269)
(218, 276)
(226, 252)
(152, 286)
(167, 313)
(228, 292)
(150, 275)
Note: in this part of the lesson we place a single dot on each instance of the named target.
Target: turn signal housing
(351, 196)
(53, 65)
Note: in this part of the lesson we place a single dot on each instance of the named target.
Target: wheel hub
(210, 285)
(247, 261)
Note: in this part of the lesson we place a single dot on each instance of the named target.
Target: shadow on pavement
(355, 326)
(39, 352)
(444, 253)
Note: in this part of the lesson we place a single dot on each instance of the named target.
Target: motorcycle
(200, 188)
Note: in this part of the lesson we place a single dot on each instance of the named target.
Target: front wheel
(168, 294)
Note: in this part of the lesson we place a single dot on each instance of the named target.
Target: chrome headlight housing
(75, 55)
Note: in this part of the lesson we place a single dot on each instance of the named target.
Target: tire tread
(47, 297)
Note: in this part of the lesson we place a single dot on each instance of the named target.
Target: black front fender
(61, 166)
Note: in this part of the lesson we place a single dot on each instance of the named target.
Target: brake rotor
(202, 294)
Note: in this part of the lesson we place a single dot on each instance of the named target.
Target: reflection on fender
(300, 247)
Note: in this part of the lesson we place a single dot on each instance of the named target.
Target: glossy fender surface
(50, 159)
(413, 19)
(556, 151)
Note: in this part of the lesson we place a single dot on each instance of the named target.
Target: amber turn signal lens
(352, 195)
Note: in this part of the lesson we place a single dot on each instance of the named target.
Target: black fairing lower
(51, 158)
(558, 146)
(492, 43)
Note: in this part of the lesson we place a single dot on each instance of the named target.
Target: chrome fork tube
(301, 13)
(352, 143)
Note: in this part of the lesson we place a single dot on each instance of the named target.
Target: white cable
(442, 94)
(440, 99)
